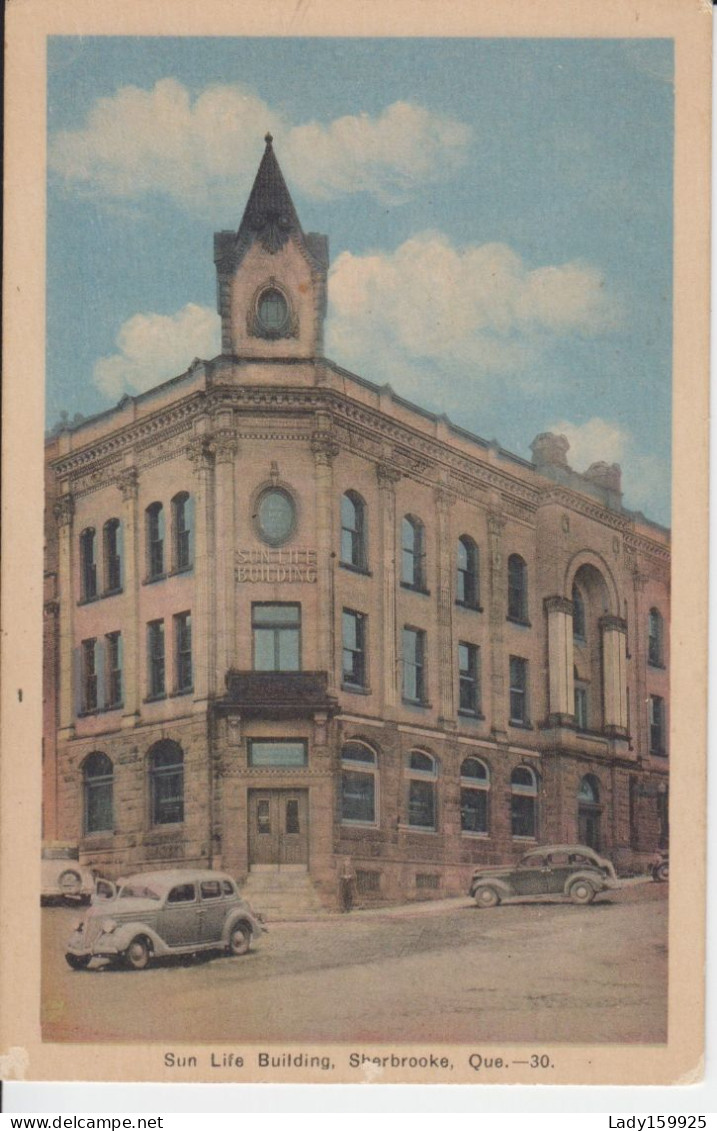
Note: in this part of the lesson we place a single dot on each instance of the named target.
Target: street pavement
(441, 972)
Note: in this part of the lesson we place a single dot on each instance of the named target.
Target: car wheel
(138, 954)
(581, 892)
(486, 897)
(239, 939)
(662, 872)
(77, 961)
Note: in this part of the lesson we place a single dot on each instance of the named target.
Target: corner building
(295, 622)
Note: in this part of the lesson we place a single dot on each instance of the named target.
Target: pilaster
(325, 449)
(64, 515)
(201, 456)
(128, 484)
(388, 477)
(225, 447)
(498, 605)
(446, 658)
(614, 650)
(561, 684)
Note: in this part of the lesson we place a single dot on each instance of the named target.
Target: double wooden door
(278, 826)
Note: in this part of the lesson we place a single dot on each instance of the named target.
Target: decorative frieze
(128, 483)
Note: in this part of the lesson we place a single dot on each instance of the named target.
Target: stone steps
(282, 894)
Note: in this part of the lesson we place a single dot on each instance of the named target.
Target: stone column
(203, 638)
(638, 646)
(64, 512)
(388, 477)
(225, 447)
(498, 609)
(447, 656)
(325, 449)
(131, 629)
(614, 662)
(561, 686)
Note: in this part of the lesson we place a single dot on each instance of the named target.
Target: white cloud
(155, 347)
(645, 479)
(203, 151)
(470, 313)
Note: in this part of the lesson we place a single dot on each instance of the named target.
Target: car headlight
(108, 926)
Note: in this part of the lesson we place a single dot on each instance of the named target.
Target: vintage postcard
(354, 682)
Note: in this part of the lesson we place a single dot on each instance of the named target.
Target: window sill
(475, 835)
(167, 830)
(656, 667)
(362, 570)
(155, 698)
(89, 714)
(417, 829)
(113, 592)
(359, 824)
(155, 577)
(89, 600)
(658, 754)
(180, 570)
(418, 703)
(521, 622)
(520, 725)
(181, 691)
(469, 608)
(519, 836)
(471, 715)
(355, 689)
(415, 589)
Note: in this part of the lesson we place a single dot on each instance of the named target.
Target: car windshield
(138, 891)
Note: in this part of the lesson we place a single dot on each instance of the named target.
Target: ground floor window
(422, 790)
(166, 769)
(276, 752)
(98, 789)
(524, 802)
(358, 783)
(475, 783)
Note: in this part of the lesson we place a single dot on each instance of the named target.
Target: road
(518, 972)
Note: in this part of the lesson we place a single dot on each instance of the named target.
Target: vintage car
(573, 870)
(660, 866)
(156, 914)
(62, 877)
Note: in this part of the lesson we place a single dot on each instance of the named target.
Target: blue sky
(499, 215)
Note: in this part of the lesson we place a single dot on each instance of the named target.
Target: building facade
(293, 619)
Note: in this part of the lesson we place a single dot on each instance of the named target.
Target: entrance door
(278, 832)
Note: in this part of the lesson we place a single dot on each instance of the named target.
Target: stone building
(294, 619)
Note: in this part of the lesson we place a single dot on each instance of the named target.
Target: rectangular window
(275, 753)
(113, 562)
(581, 707)
(518, 690)
(113, 660)
(183, 651)
(469, 679)
(354, 648)
(657, 725)
(474, 810)
(155, 658)
(89, 675)
(358, 796)
(422, 804)
(276, 631)
(414, 671)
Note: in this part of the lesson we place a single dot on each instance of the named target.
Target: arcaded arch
(589, 569)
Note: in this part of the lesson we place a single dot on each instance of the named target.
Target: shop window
(524, 802)
(413, 553)
(98, 786)
(276, 631)
(475, 786)
(414, 665)
(467, 577)
(353, 531)
(88, 564)
(354, 648)
(112, 532)
(422, 775)
(358, 783)
(166, 768)
(468, 679)
(517, 589)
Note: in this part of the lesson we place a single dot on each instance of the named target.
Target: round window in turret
(275, 516)
(272, 312)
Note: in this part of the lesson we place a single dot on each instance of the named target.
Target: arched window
(166, 779)
(589, 812)
(88, 564)
(517, 589)
(155, 540)
(181, 532)
(475, 784)
(112, 555)
(353, 531)
(467, 587)
(580, 694)
(358, 783)
(524, 802)
(413, 554)
(98, 783)
(655, 629)
(422, 774)
(578, 614)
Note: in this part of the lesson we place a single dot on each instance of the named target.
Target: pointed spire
(269, 215)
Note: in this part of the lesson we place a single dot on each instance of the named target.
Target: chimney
(550, 450)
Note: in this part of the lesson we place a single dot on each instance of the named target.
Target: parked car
(573, 870)
(155, 914)
(63, 877)
(660, 867)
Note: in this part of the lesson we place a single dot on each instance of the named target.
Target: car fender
(241, 916)
(593, 878)
(122, 936)
(492, 882)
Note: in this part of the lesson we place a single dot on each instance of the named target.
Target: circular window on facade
(276, 516)
(272, 311)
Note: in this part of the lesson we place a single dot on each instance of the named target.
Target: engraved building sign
(276, 565)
